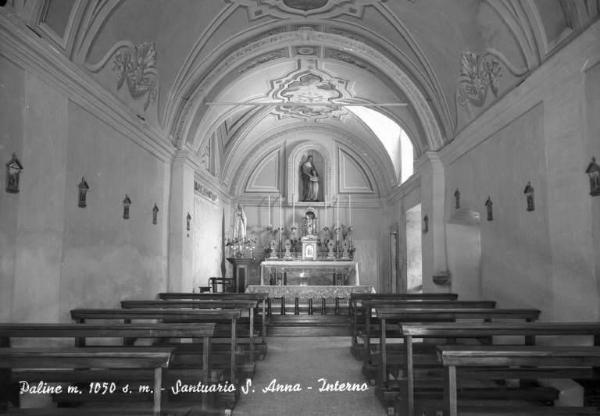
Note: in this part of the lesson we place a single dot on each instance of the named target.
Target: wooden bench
(80, 334)
(54, 359)
(531, 357)
(364, 351)
(241, 304)
(173, 316)
(259, 297)
(397, 315)
(356, 298)
(486, 331)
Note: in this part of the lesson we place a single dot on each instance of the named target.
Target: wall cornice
(22, 47)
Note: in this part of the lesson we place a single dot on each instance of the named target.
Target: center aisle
(303, 361)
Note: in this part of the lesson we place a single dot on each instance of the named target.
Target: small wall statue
(593, 172)
(489, 205)
(13, 173)
(529, 195)
(83, 189)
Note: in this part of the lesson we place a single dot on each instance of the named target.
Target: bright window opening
(392, 136)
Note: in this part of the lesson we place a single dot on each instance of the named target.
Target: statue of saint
(239, 224)
(310, 180)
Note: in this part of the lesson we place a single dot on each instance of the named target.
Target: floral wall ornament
(155, 215)
(425, 224)
(457, 199)
(489, 205)
(136, 66)
(593, 172)
(83, 189)
(13, 174)
(478, 75)
(529, 195)
(126, 205)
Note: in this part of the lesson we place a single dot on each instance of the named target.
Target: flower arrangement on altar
(241, 247)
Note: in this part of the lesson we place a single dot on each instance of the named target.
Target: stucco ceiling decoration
(135, 66)
(309, 93)
(294, 8)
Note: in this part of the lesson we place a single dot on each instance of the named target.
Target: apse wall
(55, 255)
(346, 180)
(544, 132)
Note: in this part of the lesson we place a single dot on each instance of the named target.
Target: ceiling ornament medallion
(291, 8)
(309, 93)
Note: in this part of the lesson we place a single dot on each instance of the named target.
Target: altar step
(309, 326)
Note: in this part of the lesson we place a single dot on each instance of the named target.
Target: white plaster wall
(546, 258)
(208, 220)
(54, 255)
(41, 216)
(12, 86)
(107, 258)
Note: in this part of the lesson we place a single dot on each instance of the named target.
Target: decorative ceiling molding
(283, 9)
(310, 93)
(523, 20)
(185, 122)
(247, 154)
(263, 59)
(348, 163)
(65, 41)
(270, 161)
(91, 23)
(29, 51)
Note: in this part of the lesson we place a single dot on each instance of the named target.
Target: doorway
(414, 255)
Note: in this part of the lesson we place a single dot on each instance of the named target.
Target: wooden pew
(259, 297)
(356, 298)
(485, 331)
(242, 304)
(156, 359)
(80, 333)
(453, 357)
(368, 306)
(396, 315)
(170, 315)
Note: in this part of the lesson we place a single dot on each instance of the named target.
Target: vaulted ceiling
(246, 70)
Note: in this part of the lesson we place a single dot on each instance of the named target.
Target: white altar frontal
(310, 292)
(309, 273)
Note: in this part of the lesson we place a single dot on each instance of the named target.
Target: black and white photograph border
(310, 207)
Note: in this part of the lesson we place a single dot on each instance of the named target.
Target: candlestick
(280, 214)
(325, 220)
(269, 212)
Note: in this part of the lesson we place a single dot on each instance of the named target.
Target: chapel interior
(300, 147)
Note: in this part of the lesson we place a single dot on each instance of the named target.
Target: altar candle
(269, 211)
(293, 209)
(326, 220)
(280, 215)
(337, 212)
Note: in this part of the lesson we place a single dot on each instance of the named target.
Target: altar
(309, 273)
(310, 292)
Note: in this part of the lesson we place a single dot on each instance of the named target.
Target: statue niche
(310, 178)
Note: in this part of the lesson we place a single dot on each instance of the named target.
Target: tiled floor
(303, 361)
